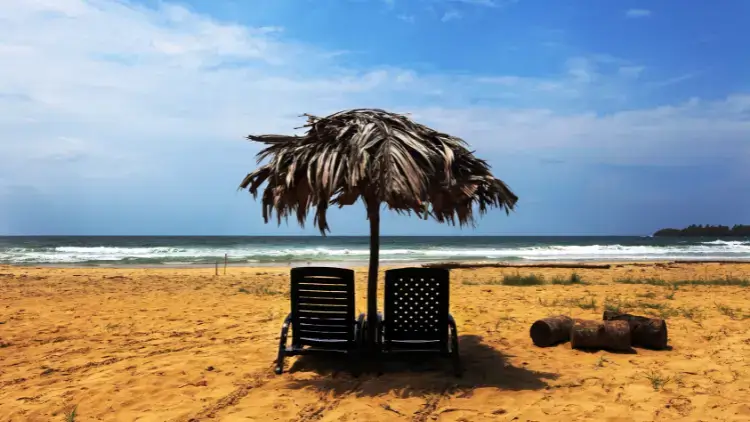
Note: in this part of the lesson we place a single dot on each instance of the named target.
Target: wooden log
(550, 331)
(649, 333)
(456, 265)
(597, 335)
(712, 261)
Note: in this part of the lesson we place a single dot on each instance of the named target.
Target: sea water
(176, 251)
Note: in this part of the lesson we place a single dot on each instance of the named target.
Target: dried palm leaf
(380, 157)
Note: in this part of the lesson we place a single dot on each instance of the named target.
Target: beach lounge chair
(322, 318)
(417, 318)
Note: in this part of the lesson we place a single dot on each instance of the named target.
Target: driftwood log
(649, 333)
(712, 261)
(550, 331)
(456, 265)
(609, 335)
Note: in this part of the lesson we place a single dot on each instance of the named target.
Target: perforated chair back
(323, 307)
(416, 307)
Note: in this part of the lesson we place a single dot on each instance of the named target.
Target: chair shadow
(409, 375)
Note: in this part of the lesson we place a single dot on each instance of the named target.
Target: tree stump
(649, 333)
(550, 331)
(609, 335)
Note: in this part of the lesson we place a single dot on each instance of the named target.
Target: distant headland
(699, 230)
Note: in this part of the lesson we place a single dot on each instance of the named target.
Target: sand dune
(183, 344)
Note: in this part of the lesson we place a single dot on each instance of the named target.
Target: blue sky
(606, 117)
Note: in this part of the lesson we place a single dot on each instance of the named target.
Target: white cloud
(631, 71)
(450, 15)
(676, 80)
(486, 3)
(688, 133)
(406, 18)
(127, 81)
(638, 13)
(105, 90)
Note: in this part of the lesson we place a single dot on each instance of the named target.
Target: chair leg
(379, 352)
(455, 355)
(380, 330)
(282, 345)
(355, 355)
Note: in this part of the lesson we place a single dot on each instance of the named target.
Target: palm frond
(377, 156)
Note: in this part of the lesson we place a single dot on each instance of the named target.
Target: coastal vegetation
(532, 279)
(700, 230)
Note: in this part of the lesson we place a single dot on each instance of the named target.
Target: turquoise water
(284, 250)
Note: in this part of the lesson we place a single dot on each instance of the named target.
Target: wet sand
(184, 344)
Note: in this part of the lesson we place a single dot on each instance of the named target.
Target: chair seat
(413, 343)
(294, 350)
(323, 340)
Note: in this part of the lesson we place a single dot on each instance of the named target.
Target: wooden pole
(217, 268)
(373, 214)
(225, 264)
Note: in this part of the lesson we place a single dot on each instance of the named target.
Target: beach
(182, 344)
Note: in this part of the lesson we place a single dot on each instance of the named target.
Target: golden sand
(183, 344)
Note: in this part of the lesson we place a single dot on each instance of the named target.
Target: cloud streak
(406, 18)
(486, 3)
(638, 13)
(450, 15)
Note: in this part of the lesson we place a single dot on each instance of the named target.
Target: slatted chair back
(416, 307)
(323, 307)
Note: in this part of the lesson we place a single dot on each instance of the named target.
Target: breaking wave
(418, 251)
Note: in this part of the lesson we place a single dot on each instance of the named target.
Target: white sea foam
(719, 249)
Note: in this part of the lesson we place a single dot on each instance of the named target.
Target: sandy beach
(186, 345)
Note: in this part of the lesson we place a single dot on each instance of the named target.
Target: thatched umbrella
(382, 158)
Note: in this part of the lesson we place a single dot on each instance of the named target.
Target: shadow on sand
(416, 375)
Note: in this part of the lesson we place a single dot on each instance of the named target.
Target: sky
(605, 117)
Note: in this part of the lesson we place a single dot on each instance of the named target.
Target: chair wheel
(278, 370)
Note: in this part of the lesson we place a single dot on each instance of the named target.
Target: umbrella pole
(373, 214)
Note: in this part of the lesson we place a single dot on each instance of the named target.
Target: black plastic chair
(417, 317)
(322, 317)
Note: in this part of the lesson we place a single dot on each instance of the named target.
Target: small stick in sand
(217, 268)
(225, 264)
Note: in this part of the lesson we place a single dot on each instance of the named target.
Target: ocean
(267, 250)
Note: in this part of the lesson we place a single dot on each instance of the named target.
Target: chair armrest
(285, 327)
(452, 323)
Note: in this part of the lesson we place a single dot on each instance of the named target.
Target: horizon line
(310, 235)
